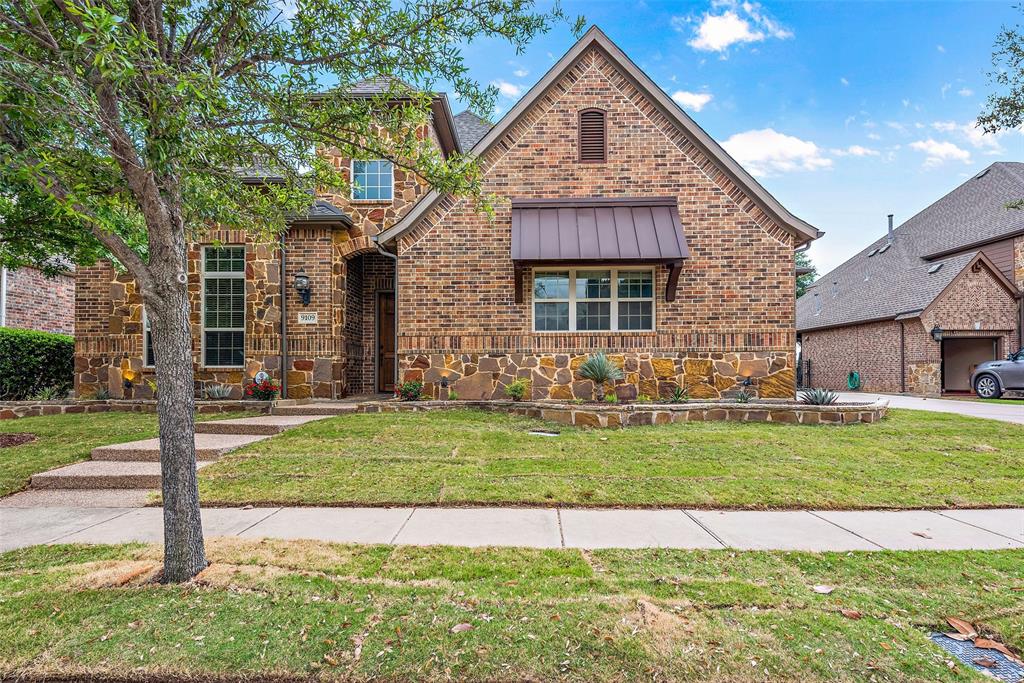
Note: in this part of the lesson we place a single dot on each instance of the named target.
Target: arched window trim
(604, 135)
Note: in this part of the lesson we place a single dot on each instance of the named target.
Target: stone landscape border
(10, 410)
(637, 414)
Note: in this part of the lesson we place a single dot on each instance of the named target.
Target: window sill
(624, 333)
(372, 201)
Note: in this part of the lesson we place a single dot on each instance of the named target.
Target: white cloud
(945, 88)
(856, 151)
(730, 22)
(874, 136)
(973, 135)
(897, 126)
(767, 151)
(964, 92)
(508, 89)
(940, 48)
(520, 73)
(692, 100)
(844, 80)
(937, 153)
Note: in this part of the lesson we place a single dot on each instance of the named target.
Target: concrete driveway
(1004, 412)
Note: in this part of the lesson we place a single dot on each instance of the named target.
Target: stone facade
(32, 301)
(974, 305)
(735, 298)
(556, 376)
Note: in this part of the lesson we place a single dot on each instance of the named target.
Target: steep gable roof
(880, 285)
(803, 231)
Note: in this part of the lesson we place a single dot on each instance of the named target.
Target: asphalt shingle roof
(471, 129)
(897, 281)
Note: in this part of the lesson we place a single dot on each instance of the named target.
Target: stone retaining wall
(629, 415)
(10, 410)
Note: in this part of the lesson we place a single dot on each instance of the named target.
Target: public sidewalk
(540, 527)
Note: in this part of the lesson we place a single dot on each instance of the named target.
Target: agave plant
(819, 397)
(217, 391)
(600, 370)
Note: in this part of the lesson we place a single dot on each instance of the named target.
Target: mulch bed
(16, 439)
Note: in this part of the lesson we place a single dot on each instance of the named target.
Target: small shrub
(578, 401)
(49, 394)
(517, 388)
(411, 390)
(644, 398)
(101, 394)
(680, 395)
(263, 391)
(31, 361)
(819, 397)
(743, 397)
(151, 383)
(600, 370)
(611, 398)
(217, 391)
(452, 395)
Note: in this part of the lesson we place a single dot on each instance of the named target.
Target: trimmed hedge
(31, 361)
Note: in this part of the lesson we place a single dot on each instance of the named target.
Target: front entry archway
(369, 324)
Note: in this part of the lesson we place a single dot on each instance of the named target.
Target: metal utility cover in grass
(1004, 670)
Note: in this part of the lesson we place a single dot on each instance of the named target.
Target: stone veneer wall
(735, 301)
(556, 376)
(10, 410)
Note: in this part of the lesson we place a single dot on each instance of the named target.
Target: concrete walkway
(539, 527)
(1004, 412)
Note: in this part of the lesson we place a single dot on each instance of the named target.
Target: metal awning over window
(628, 230)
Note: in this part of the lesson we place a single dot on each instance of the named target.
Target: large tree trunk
(184, 555)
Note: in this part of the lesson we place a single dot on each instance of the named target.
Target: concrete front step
(323, 409)
(103, 474)
(266, 425)
(208, 447)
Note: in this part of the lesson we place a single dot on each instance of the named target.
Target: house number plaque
(307, 318)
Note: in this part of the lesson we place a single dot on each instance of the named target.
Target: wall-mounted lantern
(302, 286)
(937, 333)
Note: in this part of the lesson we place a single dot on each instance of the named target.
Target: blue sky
(845, 111)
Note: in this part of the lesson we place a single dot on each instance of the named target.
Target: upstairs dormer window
(593, 136)
(372, 180)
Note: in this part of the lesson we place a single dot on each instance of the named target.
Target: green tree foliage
(804, 281)
(126, 127)
(1004, 108)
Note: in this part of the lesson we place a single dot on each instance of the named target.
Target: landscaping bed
(472, 457)
(302, 609)
(10, 410)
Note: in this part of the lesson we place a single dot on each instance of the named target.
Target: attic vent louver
(593, 134)
(885, 248)
(872, 253)
(934, 269)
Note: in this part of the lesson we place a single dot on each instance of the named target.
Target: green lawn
(911, 459)
(64, 439)
(376, 612)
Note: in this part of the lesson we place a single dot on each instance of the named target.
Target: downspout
(394, 257)
(3, 297)
(284, 326)
(903, 358)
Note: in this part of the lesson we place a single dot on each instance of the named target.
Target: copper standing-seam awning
(627, 230)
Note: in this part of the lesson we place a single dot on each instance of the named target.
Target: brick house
(619, 226)
(30, 300)
(917, 309)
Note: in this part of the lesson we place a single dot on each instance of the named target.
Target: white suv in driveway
(992, 378)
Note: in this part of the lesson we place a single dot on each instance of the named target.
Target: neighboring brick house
(30, 300)
(619, 225)
(918, 309)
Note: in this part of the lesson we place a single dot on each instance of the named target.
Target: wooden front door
(385, 341)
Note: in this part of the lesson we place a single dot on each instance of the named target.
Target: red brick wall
(736, 290)
(35, 302)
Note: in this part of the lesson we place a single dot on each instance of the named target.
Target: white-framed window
(224, 307)
(593, 300)
(373, 180)
(148, 357)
